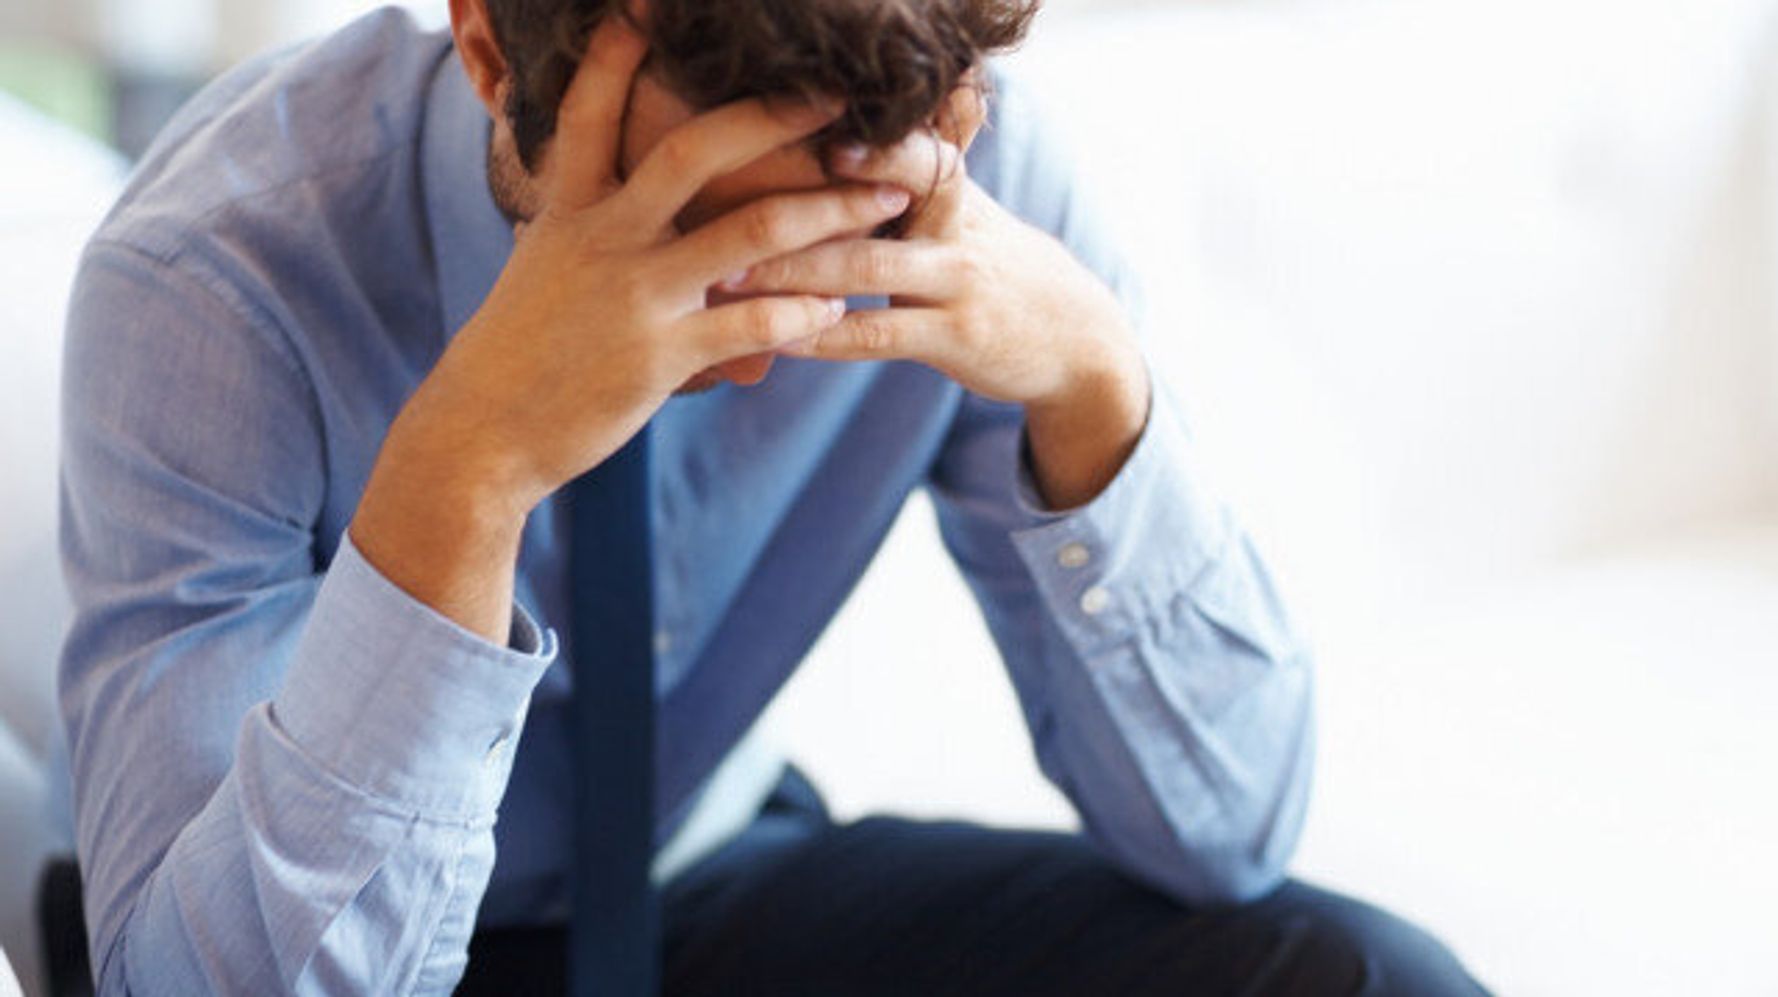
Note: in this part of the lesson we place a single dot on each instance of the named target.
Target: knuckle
(676, 153)
(776, 272)
(790, 273)
(969, 267)
(765, 224)
(875, 336)
(766, 323)
(876, 266)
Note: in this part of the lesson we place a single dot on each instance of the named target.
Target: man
(371, 308)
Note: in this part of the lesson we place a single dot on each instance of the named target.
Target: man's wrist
(1081, 436)
(442, 518)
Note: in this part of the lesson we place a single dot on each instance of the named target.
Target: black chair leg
(66, 969)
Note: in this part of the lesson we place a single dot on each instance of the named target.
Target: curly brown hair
(894, 61)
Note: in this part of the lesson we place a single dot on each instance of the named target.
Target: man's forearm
(1169, 640)
(441, 520)
(1081, 438)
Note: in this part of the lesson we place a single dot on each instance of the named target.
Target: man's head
(893, 62)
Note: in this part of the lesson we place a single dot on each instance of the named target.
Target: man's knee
(1324, 943)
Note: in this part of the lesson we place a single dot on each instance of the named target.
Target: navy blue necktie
(612, 951)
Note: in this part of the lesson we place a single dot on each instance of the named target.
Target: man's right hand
(598, 316)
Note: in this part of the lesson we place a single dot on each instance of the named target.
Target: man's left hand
(994, 303)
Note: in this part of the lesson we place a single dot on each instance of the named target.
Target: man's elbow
(1231, 883)
(1250, 857)
(1209, 877)
(1236, 859)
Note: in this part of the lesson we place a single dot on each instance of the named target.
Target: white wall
(1518, 245)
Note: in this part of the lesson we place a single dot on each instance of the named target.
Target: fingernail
(893, 199)
(734, 281)
(850, 154)
(836, 308)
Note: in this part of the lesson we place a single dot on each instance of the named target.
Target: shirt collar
(471, 239)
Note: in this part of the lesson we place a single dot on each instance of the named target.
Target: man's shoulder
(285, 141)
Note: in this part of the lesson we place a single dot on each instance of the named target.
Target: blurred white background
(1474, 308)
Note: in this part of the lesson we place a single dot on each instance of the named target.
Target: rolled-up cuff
(404, 704)
(1125, 556)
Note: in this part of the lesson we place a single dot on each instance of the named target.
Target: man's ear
(961, 116)
(479, 49)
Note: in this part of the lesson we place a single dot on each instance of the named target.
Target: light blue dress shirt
(287, 771)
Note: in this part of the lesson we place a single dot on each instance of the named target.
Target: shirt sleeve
(1167, 691)
(285, 780)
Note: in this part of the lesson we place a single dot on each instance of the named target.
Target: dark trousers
(798, 905)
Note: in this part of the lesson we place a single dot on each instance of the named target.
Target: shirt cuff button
(1094, 601)
(1074, 555)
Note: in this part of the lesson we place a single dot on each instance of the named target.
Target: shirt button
(1094, 601)
(663, 642)
(1074, 555)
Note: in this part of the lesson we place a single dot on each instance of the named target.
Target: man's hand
(600, 313)
(598, 316)
(999, 306)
